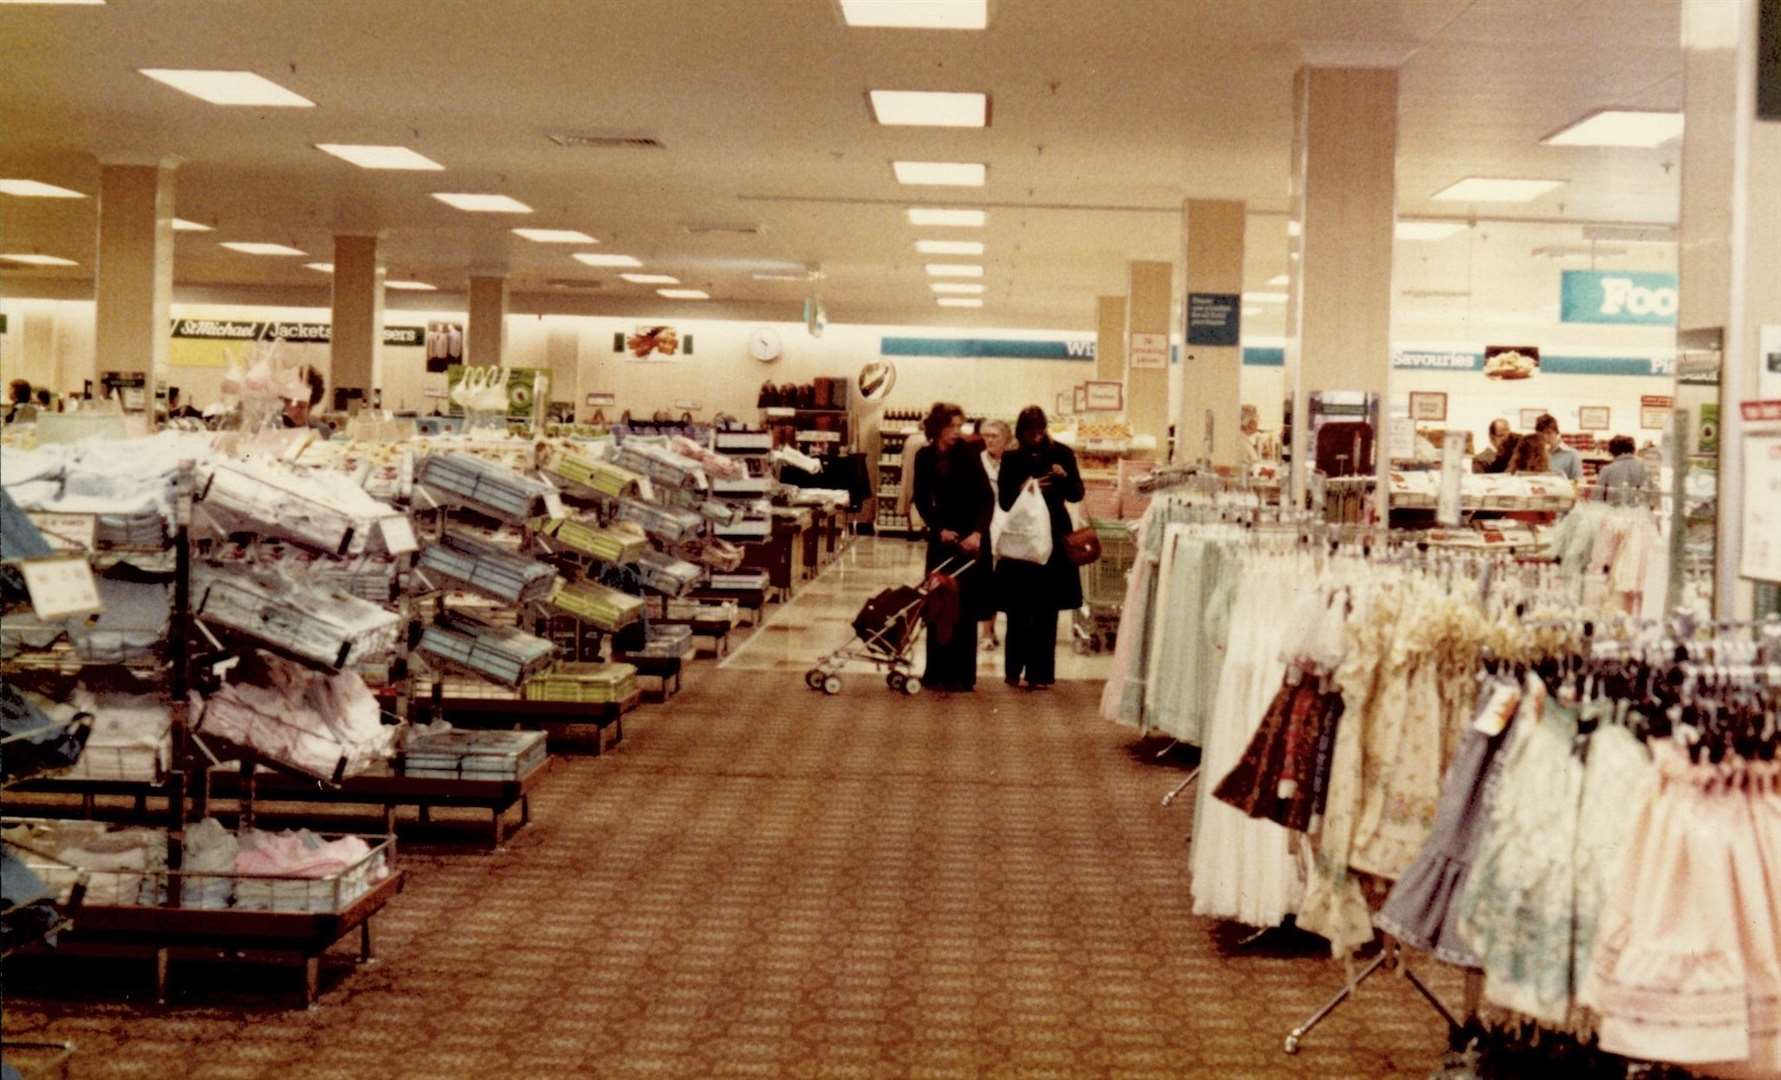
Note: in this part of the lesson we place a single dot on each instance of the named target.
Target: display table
(170, 788)
(558, 718)
(715, 631)
(666, 670)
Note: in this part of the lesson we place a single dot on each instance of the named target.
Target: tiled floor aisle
(764, 881)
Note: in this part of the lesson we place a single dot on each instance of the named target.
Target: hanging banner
(1618, 297)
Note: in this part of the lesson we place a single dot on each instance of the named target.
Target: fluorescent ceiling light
(92, 3)
(957, 287)
(1247, 310)
(411, 286)
(651, 279)
(1490, 189)
(256, 248)
(959, 301)
(684, 294)
(482, 204)
(597, 258)
(1265, 297)
(949, 247)
(39, 260)
(182, 225)
(954, 270)
(927, 215)
(555, 236)
(1293, 228)
(946, 173)
(1278, 279)
(326, 268)
(229, 87)
(381, 157)
(1620, 127)
(917, 14)
(930, 108)
(36, 189)
(1428, 230)
(781, 277)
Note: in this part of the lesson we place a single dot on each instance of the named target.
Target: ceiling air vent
(608, 140)
(723, 228)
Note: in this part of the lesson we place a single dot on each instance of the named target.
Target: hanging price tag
(60, 587)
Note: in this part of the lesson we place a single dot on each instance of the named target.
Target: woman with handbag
(952, 494)
(1032, 591)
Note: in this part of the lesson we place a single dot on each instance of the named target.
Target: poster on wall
(1511, 362)
(445, 346)
(1105, 395)
(1594, 418)
(1148, 350)
(1429, 406)
(523, 389)
(1654, 411)
(657, 343)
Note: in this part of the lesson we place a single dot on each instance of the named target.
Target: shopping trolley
(1096, 622)
(885, 633)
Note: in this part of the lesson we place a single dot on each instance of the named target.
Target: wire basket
(665, 523)
(462, 480)
(612, 545)
(317, 625)
(588, 683)
(487, 568)
(598, 605)
(500, 654)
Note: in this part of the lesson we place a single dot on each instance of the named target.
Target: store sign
(989, 348)
(1654, 411)
(1148, 350)
(1437, 361)
(1213, 318)
(1619, 297)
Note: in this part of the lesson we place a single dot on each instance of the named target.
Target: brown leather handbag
(1083, 546)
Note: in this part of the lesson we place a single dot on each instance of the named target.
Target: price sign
(74, 532)
(60, 587)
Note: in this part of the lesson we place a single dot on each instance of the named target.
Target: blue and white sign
(1619, 297)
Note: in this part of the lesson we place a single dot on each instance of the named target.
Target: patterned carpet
(762, 881)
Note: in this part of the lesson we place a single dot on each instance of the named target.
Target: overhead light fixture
(1278, 279)
(555, 236)
(1428, 230)
(411, 286)
(954, 270)
(326, 268)
(229, 87)
(949, 247)
(255, 248)
(182, 225)
(928, 215)
(381, 157)
(1644, 128)
(599, 258)
(917, 14)
(37, 189)
(481, 203)
(957, 287)
(1494, 189)
(941, 173)
(781, 277)
(684, 294)
(1293, 228)
(651, 279)
(1247, 310)
(62, 3)
(959, 301)
(1265, 297)
(39, 260)
(929, 108)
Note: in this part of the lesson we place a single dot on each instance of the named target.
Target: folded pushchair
(885, 633)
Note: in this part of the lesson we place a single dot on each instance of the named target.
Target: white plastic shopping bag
(1026, 531)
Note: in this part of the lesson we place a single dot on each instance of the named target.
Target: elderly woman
(952, 494)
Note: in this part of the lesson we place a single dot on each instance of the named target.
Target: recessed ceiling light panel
(941, 173)
(1428, 230)
(954, 270)
(650, 279)
(411, 286)
(36, 189)
(684, 294)
(555, 236)
(62, 3)
(38, 260)
(1278, 279)
(229, 87)
(326, 268)
(600, 258)
(959, 301)
(255, 248)
(949, 247)
(478, 203)
(965, 288)
(917, 14)
(1640, 128)
(182, 225)
(930, 215)
(380, 157)
(930, 108)
(1265, 297)
(1489, 189)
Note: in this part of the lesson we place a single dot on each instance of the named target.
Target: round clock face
(764, 345)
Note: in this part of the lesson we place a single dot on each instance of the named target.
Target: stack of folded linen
(666, 574)
(320, 724)
(666, 641)
(600, 477)
(320, 625)
(664, 522)
(605, 608)
(323, 510)
(368, 577)
(132, 485)
(473, 755)
(659, 463)
(716, 466)
(504, 655)
(124, 867)
(460, 479)
(132, 737)
(752, 578)
(588, 683)
(302, 872)
(131, 624)
(488, 568)
(207, 865)
(717, 553)
(616, 545)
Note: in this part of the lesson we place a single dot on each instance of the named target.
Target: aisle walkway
(763, 881)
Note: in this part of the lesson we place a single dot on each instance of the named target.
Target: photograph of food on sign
(1511, 361)
(653, 339)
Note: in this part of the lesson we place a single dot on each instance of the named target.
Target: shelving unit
(894, 429)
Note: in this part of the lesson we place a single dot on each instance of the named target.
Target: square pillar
(358, 314)
(1211, 375)
(1109, 338)
(1148, 299)
(133, 276)
(485, 339)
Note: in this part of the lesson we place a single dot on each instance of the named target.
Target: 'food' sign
(1619, 297)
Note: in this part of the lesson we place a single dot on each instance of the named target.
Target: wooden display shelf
(165, 934)
(749, 600)
(665, 669)
(170, 787)
(389, 789)
(716, 631)
(557, 718)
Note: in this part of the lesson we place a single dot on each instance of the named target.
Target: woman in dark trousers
(953, 496)
(1032, 594)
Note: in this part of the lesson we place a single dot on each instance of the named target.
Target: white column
(1211, 375)
(133, 277)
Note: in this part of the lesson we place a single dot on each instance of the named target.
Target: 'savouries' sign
(1618, 297)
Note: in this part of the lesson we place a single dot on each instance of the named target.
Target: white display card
(60, 587)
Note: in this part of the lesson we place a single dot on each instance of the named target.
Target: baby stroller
(885, 633)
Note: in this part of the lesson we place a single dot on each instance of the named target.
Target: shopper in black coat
(1032, 594)
(952, 493)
